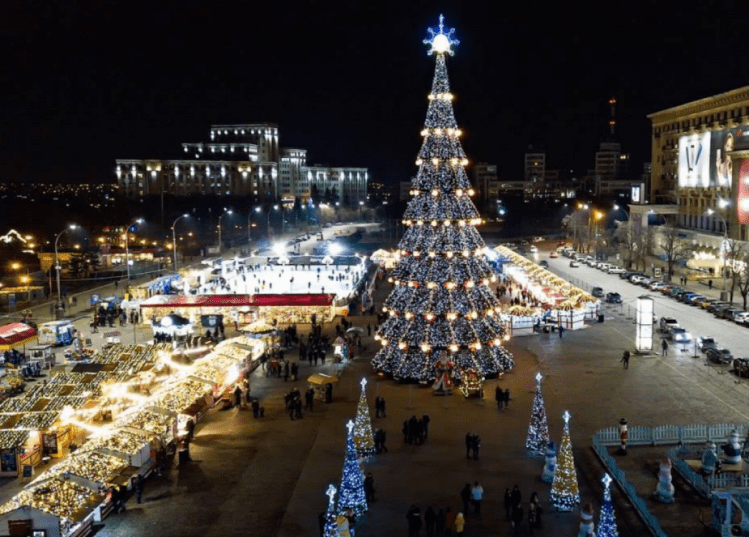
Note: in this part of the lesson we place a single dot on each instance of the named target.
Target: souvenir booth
(319, 383)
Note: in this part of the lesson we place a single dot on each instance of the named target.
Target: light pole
(127, 246)
(174, 238)
(226, 211)
(711, 212)
(267, 223)
(57, 263)
(629, 227)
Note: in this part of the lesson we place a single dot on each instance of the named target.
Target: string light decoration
(352, 482)
(442, 277)
(363, 437)
(538, 429)
(331, 527)
(564, 492)
(607, 520)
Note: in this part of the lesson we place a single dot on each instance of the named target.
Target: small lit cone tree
(607, 521)
(564, 491)
(352, 482)
(441, 305)
(331, 528)
(538, 430)
(363, 437)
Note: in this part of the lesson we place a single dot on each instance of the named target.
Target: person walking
(469, 444)
(449, 521)
(625, 360)
(476, 441)
(561, 331)
(439, 524)
(138, 487)
(506, 398)
(517, 497)
(382, 407)
(429, 520)
(709, 284)
(508, 503)
(465, 496)
(499, 396)
(477, 495)
(460, 524)
(369, 488)
(414, 521)
(517, 519)
(664, 347)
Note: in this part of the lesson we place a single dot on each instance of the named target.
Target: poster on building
(211, 321)
(742, 194)
(694, 163)
(705, 160)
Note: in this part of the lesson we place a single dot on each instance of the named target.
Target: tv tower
(612, 121)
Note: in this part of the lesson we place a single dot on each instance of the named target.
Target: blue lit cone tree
(352, 482)
(331, 527)
(441, 309)
(538, 429)
(607, 521)
(564, 492)
(363, 437)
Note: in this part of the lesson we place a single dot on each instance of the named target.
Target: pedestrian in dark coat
(465, 496)
(516, 496)
(517, 519)
(425, 423)
(369, 487)
(561, 331)
(476, 446)
(429, 520)
(286, 372)
(449, 521)
(499, 396)
(439, 524)
(625, 360)
(382, 407)
(414, 521)
(507, 398)
(237, 396)
(469, 444)
(138, 487)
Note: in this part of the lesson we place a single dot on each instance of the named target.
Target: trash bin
(600, 317)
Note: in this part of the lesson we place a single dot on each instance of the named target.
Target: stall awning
(292, 300)
(16, 335)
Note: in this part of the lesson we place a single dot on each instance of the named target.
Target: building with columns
(239, 160)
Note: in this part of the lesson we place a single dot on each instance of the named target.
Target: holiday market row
(147, 409)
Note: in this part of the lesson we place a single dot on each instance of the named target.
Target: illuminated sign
(742, 197)
(694, 164)
(704, 159)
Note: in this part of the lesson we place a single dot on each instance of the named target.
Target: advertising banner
(742, 195)
(704, 159)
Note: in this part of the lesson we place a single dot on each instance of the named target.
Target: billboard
(694, 164)
(742, 195)
(704, 160)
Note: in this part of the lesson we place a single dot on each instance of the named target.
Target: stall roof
(214, 301)
(15, 334)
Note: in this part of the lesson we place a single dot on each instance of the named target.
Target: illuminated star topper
(441, 41)
(350, 426)
(363, 383)
(538, 377)
(606, 480)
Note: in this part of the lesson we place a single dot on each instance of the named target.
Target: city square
(216, 339)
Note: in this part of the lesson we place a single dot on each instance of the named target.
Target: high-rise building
(240, 160)
(486, 181)
(534, 173)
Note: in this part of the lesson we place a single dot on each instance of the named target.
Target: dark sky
(85, 82)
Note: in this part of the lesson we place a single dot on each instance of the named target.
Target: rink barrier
(672, 434)
(650, 521)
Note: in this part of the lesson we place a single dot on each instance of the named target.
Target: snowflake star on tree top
(566, 417)
(441, 41)
(538, 378)
(363, 383)
(350, 426)
(606, 482)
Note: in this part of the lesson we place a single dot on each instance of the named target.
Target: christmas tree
(607, 522)
(331, 528)
(564, 493)
(441, 307)
(352, 482)
(363, 437)
(538, 430)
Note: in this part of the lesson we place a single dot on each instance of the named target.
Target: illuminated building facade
(239, 160)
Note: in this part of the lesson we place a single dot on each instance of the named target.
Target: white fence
(672, 434)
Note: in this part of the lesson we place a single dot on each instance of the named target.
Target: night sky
(86, 82)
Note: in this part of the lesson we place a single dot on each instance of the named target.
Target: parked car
(741, 367)
(603, 266)
(666, 323)
(707, 303)
(719, 355)
(728, 313)
(665, 288)
(697, 301)
(679, 335)
(645, 282)
(675, 292)
(613, 298)
(686, 297)
(597, 292)
(574, 263)
(553, 255)
(655, 285)
(693, 298)
(613, 269)
(543, 263)
(716, 305)
(637, 278)
(718, 312)
(738, 316)
(705, 343)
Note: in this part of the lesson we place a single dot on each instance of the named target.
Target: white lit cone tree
(442, 308)
(331, 527)
(538, 430)
(352, 481)
(363, 437)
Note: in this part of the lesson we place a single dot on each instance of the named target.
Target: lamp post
(127, 246)
(24, 279)
(711, 212)
(267, 223)
(174, 238)
(629, 226)
(229, 211)
(57, 262)
(361, 206)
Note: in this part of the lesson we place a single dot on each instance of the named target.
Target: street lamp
(174, 238)
(267, 223)
(57, 262)
(629, 237)
(24, 279)
(249, 224)
(723, 293)
(361, 206)
(226, 211)
(127, 246)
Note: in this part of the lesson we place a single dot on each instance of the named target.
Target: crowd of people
(415, 431)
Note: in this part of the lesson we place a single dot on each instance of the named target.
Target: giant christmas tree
(442, 309)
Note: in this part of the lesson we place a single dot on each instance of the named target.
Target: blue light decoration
(331, 527)
(607, 521)
(441, 41)
(564, 491)
(442, 308)
(352, 482)
(538, 429)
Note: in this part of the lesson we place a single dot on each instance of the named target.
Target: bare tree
(735, 251)
(641, 246)
(625, 236)
(674, 248)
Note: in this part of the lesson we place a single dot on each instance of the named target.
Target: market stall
(319, 383)
(16, 336)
